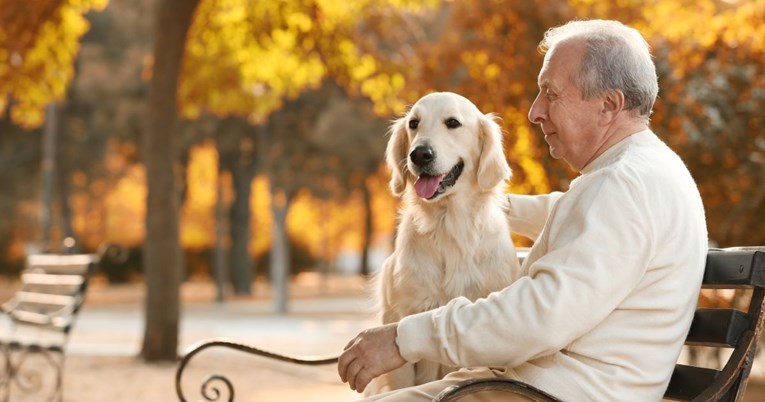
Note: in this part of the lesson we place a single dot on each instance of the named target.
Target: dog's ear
(492, 165)
(396, 156)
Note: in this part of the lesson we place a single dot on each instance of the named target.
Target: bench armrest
(210, 388)
(468, 387)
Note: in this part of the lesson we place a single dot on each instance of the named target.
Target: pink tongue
(426, 185)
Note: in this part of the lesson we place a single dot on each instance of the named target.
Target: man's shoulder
(647, 160)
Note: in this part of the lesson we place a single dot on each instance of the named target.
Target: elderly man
(612, 280)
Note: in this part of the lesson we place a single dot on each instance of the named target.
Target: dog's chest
(443, 268)
(441, 255)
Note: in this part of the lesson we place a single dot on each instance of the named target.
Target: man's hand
(371, 353)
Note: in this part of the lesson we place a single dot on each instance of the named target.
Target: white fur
(457, 244)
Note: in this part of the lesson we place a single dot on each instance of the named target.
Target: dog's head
(444, 142)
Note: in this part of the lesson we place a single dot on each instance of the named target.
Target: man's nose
(538, 111)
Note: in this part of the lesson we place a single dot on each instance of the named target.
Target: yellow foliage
(245, 57)
(197, 222)
(125, 209)
(39, 42)
(365, 66)
(232, 66)
(300, 22)
(383, 90)
(687, 24)
(242, 57)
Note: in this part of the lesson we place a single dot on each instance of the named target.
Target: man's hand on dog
(371, 353)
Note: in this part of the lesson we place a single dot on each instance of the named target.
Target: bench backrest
(726, 328)
(52, 290)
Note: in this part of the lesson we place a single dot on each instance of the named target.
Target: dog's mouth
(430, 187)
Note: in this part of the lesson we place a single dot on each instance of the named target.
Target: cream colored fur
(457, 244)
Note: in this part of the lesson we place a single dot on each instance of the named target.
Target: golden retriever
(453, 237)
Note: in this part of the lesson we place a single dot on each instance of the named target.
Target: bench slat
(689, 381)
(720, 327)
(44, 299)
(735, 268)
(66, 290)
(51, 291)
(64, 269)
(46, 279)
(45, 320)
(58, 259)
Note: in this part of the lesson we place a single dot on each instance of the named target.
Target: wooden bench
(42, 313)
(728, 329)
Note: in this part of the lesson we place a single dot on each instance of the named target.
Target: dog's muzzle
(431, 186)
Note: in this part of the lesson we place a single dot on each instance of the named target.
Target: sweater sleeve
(597, 246)
(528, 213)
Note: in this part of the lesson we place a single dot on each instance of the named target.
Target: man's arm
(528, 213)
(597, 251)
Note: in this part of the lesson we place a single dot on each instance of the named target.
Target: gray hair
(617, 57)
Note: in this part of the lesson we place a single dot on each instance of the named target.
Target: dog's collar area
(430, 187)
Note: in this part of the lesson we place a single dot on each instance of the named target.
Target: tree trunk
(325, 263)
(241, 263)
(220, 264)
(67, 230)
(161, 249)
(368, 226)
(48, 176)
(280, 252)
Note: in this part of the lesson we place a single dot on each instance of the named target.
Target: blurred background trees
(274, 166)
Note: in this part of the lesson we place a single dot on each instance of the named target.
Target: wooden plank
(76, 264)
(688, 382)
(47, 279)
(45, 320)
(64, 269)
(52, 288)
(46, 299)
(57, 259)
(735, 268)
(717, 327)
(66, 290)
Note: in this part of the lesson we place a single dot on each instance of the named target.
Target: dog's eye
(413, 124)
(452, 123)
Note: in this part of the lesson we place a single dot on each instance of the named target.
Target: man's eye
(550, 95)
(413, 124)
(452, 123)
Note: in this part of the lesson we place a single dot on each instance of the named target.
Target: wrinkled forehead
(563, 61)
(442, 106)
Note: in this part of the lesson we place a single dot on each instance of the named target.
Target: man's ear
(492, 164)
(396, 155)
(611, 105)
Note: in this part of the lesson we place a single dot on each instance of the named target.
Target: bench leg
(7, 374)
(30, 373)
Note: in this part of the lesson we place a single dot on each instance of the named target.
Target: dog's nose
(422, 155)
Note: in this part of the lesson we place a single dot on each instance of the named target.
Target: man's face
(569, 122)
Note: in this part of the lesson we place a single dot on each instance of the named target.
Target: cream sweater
(608, 291)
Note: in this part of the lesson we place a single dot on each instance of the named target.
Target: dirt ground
(102, 366)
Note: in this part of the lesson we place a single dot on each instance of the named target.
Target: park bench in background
(730, 329)
(41, 314)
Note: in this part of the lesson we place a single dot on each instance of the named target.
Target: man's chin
(555, 153)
